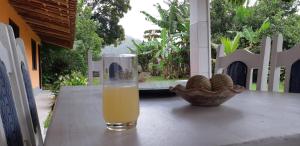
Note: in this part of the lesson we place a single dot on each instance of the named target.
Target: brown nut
(198, 81)
(220, 81)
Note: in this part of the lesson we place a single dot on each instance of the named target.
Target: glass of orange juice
(120, 91)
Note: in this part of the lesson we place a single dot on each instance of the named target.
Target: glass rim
(118, 55)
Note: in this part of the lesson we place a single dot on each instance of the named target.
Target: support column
(200, 51)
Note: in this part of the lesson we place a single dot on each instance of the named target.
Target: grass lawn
(96, 81)
(48, 120)
(281, 87)
(160, 78)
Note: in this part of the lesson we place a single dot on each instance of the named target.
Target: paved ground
(43, 103)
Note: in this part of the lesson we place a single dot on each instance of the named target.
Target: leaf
(131, 50)
(248, 34)
(231, 46)
(227, 45)
(150, 18)
(236, 42)
(242, 14)
(164, 37)
(266, 25)
(237, 2)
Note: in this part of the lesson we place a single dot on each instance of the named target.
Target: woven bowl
(203, 97)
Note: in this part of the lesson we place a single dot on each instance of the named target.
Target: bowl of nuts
(201, 91)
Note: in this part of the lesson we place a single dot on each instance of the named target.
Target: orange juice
(120, 104)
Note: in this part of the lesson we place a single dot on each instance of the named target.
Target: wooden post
(274, 79)
(262, 77)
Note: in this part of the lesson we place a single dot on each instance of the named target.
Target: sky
(134, 22)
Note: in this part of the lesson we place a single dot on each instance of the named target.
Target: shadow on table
(156, 93)
(215, 115)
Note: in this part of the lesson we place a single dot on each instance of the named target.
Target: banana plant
(170, 56)
(253, 37)
(173, 19)
(231, 45)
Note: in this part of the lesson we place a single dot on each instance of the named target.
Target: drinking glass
(120, 91)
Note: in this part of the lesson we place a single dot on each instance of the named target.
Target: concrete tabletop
(250, 118)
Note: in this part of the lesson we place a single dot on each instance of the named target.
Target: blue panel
(8, 110)
(238, 72)
(295, 78)
(30, 97)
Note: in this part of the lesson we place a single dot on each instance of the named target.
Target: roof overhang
(52, 20)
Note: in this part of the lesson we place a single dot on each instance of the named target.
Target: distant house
(37, 21)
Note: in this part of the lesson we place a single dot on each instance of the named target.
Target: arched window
(295, 78)
(238, 72)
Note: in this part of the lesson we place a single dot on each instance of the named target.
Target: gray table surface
(251, 118)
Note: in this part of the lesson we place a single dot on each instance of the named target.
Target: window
(40, 68)
(15, 27)
(33, 53)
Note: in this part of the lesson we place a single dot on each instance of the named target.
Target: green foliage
(231, 45)
(96, 81)
(48, 120)
(73, 79)
(237, 2)
(251, 38)
(264, 18)
(291, 31)
(145, 52)
(242, 14)
(169, 54)
(281, 87)
(86, 31)
(108, 14)
(174, 19)
(254, 36)
(57, 61)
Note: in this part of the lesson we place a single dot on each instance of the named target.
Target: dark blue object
(114, 69)
(295, 78)
(238, 72)
(30, 97)
(8, 110)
